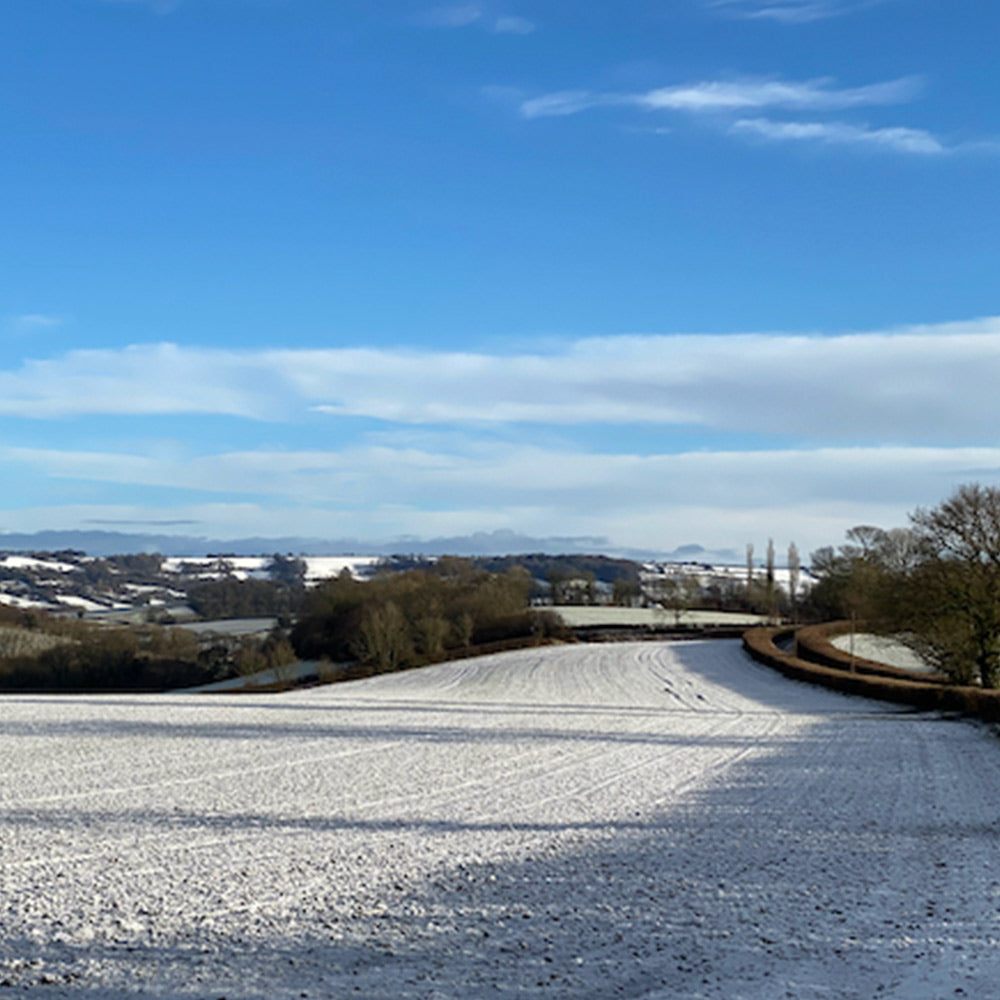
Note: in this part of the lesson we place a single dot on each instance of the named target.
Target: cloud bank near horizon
(833, 430)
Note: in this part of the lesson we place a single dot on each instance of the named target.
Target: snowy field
(580, 616)
(30, 562)
(256, 567)
(882, 649)
(641, 820)
(231, 626)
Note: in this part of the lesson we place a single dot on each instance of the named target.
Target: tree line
(43, 652)
(935, 584)
(398, 620)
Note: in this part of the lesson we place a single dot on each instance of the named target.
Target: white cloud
(651, 501)
(456, 16)
(720, 101)
(467, 15)
(791, 11)
(719, 96)
(564, 102)
(879, 423)
(157, 6)
(932, 384)
(738, 95)
(895, 139)
(32, 322)
(509, 25)
(143, 379)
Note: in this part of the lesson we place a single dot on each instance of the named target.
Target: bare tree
(625, 593)
(769, 579)
(382, 638)
(935, 586)
(953, 601)
(864, 540)
(680, 591)
(794, 568)
(900, 550)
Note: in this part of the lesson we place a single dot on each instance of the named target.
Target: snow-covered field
(882, 649)
(256, 567)
(640, 820)
(30, 562)
(581, 615)
(231, 626)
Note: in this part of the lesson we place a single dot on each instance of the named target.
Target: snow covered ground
(882, 649)
(581, 615)
(30, 562)
(231, 626)
(300, 670)
(15, 601)
(256, 567)
(638, 820)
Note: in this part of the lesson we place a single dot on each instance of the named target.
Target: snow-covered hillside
(642, 820)
(256, 567)
(74, 581)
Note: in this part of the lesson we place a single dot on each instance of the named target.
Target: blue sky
(691, 271)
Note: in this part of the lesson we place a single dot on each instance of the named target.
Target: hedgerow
(926, 696)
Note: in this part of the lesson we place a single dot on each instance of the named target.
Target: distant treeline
(541, 566)
(232, 598)
(410, 618)
(43, 652)
(279, 597)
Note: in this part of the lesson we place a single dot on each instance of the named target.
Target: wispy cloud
(737, 95)
(524, 475)
(473, 14)
(97, 381)
(932, 385)
(141, 522)
(566, 102)
(157, 6)
(457, 16)
(725, 103)
(28, 323)
(791, 11)
(898, 140)
(513, 26)
(722, 96)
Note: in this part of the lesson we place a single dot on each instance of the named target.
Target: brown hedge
(975, 702)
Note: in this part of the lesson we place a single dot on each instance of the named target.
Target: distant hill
(483, 543)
